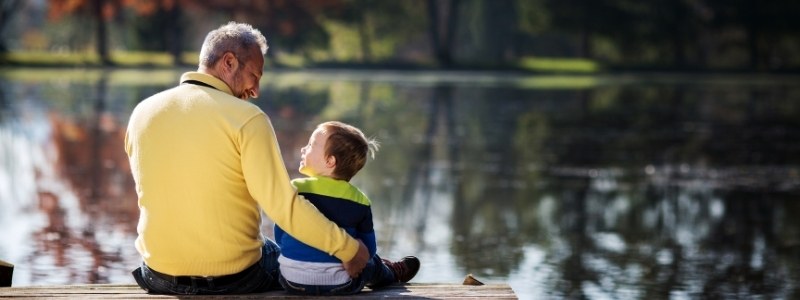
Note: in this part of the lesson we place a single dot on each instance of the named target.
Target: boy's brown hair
(349, 146)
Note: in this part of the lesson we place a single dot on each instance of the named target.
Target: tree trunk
(442, 27)
(7, 9)
(174, 32)
(363, 34)
(678, 35)
(752, 33)
(452, 21)
(101, 33)
(498, 33)
(585, 41)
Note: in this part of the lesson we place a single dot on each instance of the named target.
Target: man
(204, 161)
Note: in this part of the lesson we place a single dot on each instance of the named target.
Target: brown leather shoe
(405, 269)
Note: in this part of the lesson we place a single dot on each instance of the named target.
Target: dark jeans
(374, 275)
(261, 277)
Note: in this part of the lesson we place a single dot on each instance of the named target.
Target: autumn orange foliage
(110, 8)
(60, 8)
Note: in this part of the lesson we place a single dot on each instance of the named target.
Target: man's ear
(229, 62)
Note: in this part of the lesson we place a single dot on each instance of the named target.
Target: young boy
(334, 154)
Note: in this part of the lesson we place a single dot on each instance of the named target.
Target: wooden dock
(130, 291)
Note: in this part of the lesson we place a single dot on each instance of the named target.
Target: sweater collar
(207, 79)
(328, 180)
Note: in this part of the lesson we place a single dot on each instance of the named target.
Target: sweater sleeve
(370, 241)
(268, 183)
(365, 232)
(278, 235)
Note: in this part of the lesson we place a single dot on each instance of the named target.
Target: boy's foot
(405, 269)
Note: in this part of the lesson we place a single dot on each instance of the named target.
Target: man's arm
(355, 265)
(268, 182)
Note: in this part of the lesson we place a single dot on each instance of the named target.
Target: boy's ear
(330, 161)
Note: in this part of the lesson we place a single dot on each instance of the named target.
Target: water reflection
(67, 185)
(622, 189)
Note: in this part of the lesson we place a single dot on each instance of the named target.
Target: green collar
(330, 187)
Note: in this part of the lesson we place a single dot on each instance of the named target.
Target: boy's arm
(369, 240)
(366, 233)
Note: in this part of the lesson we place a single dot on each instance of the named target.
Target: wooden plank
(126, 291)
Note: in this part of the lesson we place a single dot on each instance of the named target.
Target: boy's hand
(357, 264)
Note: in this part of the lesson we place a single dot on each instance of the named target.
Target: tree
(293, 24)
(103, 11)
(7, 9)
(162, 28)
(442, 20)
(99, 10)
(488, 37)
(384, 29)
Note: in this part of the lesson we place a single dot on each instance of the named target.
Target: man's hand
(355, 265)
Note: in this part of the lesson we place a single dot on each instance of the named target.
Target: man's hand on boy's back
(355, 265)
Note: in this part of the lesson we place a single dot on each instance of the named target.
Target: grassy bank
(141, 59)
(85, 59)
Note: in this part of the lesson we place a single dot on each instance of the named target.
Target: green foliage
(533, 16)
(371, 31)
(659, 34)
(570, 65)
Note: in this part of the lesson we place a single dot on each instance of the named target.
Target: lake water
(603, 187)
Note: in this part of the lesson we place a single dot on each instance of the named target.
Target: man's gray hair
(232, 37)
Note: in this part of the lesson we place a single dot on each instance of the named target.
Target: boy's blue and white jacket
(345, 205)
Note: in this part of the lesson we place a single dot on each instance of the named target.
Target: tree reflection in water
(651, 189)
(631, 192)
(80, 185)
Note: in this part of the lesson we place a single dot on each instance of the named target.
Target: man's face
(246, 78)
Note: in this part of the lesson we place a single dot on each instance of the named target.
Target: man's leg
(156, 285)
(260, 279)
(269, 264)
(265, 277)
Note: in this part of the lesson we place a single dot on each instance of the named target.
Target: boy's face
(313, 161)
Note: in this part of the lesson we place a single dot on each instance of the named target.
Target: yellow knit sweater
(204, 161)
